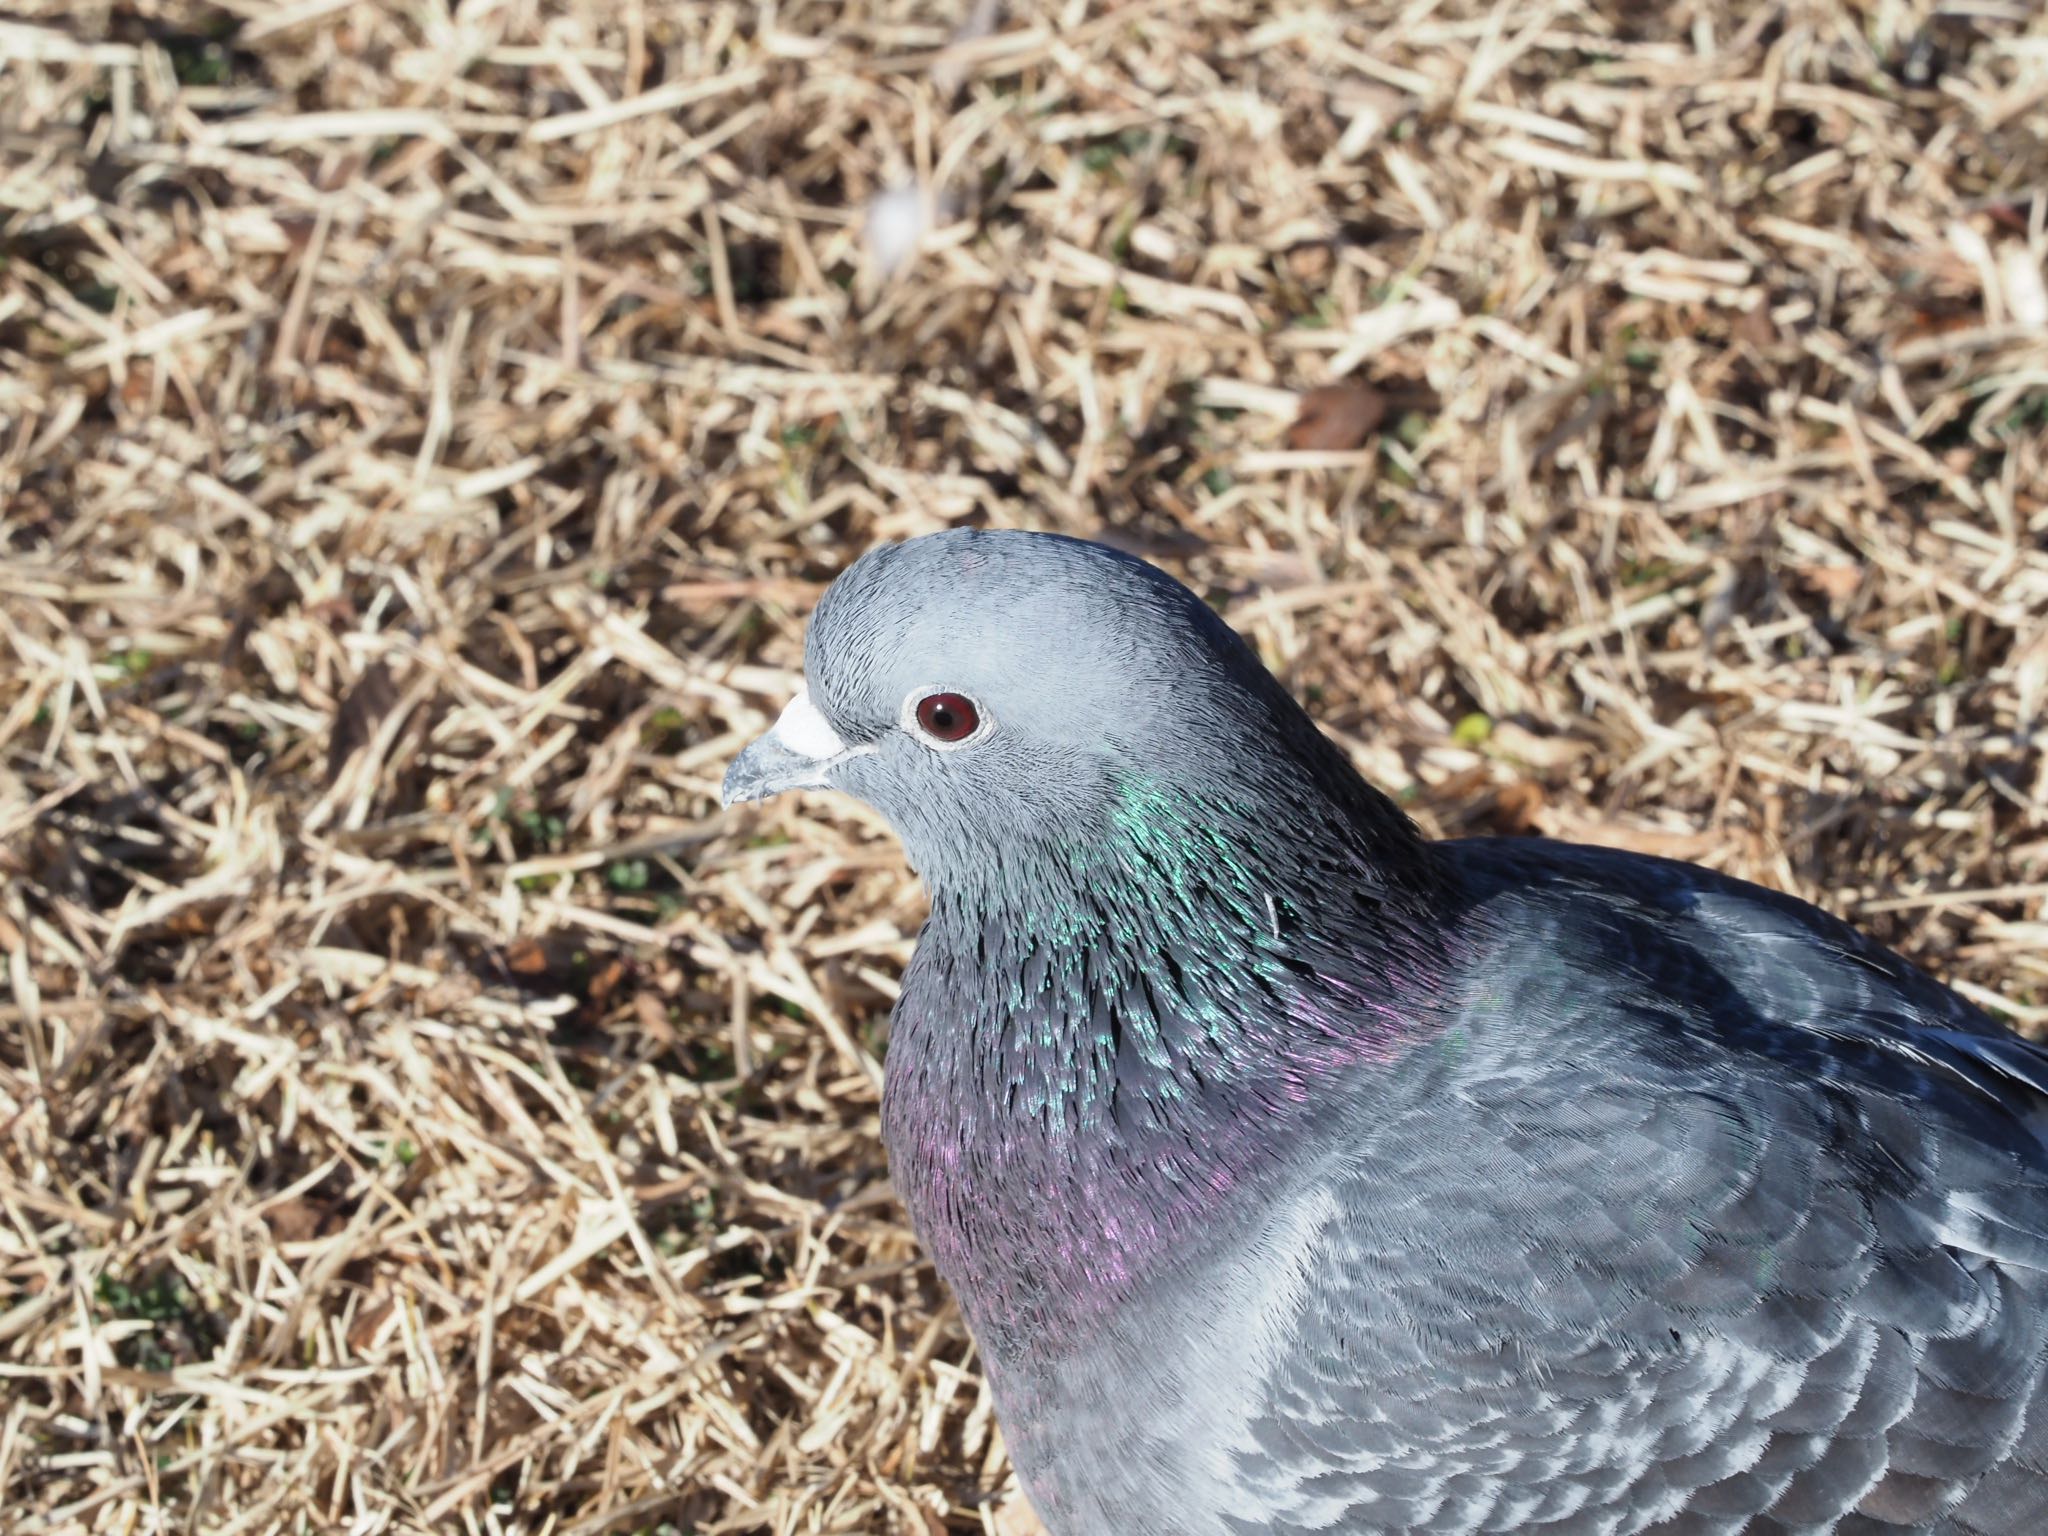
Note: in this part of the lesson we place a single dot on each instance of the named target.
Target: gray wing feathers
(1784, 1268)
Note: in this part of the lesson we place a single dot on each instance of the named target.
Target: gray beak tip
(794, 753)
(735, 789)
(758, 772)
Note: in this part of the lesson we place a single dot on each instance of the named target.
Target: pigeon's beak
(793, 753)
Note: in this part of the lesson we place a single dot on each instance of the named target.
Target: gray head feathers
(1083, 669)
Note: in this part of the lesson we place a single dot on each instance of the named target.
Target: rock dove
(1296, 1174)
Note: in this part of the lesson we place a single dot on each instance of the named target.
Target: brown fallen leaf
(300, 1220)
(1836, 583)
(1336, 418)
(526, 957)
(604, 981)
(1518, 807)
(189, 923)
(1926, 324)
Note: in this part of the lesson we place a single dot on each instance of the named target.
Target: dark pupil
(946, 716)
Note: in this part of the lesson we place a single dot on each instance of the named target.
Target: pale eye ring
(944, 717)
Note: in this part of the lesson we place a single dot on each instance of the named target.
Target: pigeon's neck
(1101, 1048)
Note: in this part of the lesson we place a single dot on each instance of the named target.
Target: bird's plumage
(1298, 1175)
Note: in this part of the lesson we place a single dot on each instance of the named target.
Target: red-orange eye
(947, 716)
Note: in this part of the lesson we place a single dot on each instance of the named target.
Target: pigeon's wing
(1714, 1219)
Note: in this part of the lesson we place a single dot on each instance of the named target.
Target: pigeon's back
(1703, 1214)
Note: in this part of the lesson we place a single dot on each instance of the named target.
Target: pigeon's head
(994, 692)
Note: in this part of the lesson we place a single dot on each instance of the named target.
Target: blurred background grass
(424, 428)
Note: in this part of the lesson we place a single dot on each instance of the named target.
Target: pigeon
(1297, 1174)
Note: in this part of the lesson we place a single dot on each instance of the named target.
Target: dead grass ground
(422, 431)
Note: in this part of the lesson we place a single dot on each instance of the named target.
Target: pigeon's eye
(947, 718)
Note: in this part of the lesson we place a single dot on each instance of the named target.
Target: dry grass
(422, 432)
